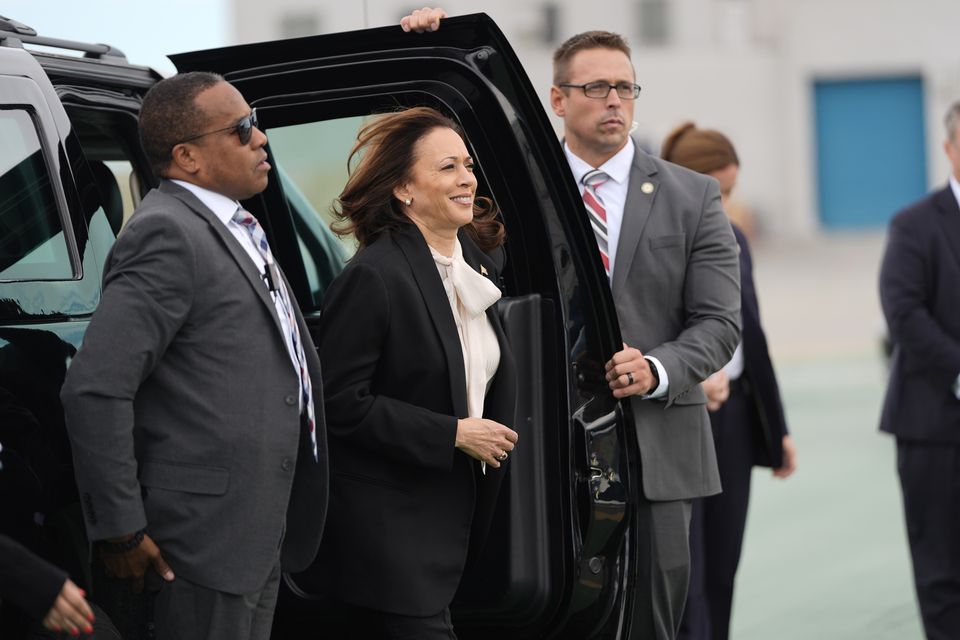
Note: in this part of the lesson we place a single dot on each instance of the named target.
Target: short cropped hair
(580, 42)
(170, 115)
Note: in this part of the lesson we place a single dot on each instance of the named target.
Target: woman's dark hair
(367, 206)
(702, 150)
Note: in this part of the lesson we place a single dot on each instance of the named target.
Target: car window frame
(20, 103)
(24, 85)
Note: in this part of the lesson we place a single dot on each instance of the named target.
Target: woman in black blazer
(746, 414)
(42, 591)
(38, 589)
(419, 380)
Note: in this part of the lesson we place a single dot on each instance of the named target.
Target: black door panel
(513, 586)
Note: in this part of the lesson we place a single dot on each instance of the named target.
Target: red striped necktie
(596, 211)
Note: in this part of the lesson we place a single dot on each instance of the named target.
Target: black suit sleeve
(27, 580)
(354, 329)
(905, 285)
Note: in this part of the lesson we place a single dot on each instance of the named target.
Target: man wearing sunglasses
(671, 258)
(194, 407)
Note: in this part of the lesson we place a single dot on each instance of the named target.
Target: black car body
(559, 561)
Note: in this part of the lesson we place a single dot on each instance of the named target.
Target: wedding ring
(503, 456)
(629, 377)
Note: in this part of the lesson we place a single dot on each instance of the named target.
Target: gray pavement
(825, 554)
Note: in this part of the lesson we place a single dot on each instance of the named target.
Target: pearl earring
(408, 201)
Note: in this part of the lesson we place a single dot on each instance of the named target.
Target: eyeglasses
(244, 128)
(601, 89)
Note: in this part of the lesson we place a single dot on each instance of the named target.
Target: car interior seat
(110, 197)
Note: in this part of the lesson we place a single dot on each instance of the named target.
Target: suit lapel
(237, 252)
(417, 253)
(636, 211)
(950, 219)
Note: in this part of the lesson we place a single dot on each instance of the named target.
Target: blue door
(871, 149)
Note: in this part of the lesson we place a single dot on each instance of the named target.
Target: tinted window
(313, 169)
(32, 244)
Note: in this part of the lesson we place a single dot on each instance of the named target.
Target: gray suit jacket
(676, 286)
(182, 405)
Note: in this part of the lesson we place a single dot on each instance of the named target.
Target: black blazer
(919, 285)
(760, 382)
(404, 501)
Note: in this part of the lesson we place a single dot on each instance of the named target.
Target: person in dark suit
(919, 285)
(746, 415)
(420, 380)
(194, 406)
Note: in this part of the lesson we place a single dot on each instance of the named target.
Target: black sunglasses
(244, 128)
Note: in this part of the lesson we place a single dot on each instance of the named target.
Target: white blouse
(470, 294)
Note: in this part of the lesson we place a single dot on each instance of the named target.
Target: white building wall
(862, 38)
(746, 67)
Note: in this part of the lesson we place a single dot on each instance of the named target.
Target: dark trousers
(187, 611)
(664, 568)
(717, 525)
(350, 621)
(930, 480)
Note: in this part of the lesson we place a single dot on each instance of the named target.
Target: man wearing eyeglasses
(671, 258)
(194, 405)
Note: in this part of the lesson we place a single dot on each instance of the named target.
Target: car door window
(312, 166)
(314, 158)
(32, 242)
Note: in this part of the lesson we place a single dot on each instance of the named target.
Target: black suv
(72, 170)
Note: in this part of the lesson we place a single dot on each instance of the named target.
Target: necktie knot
(594, 179)
(244, 218)
(249, 224)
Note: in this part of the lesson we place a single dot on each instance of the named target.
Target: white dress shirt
(224, 208)
(613, 192)
(734, 368)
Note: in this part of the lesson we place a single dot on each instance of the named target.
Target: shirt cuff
(956, 388)
(661, 390)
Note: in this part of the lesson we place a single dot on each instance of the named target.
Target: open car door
(559, 561)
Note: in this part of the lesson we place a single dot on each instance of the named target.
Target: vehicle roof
(97, 64)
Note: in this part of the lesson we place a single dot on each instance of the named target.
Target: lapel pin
(647, 188)
(483, 270)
